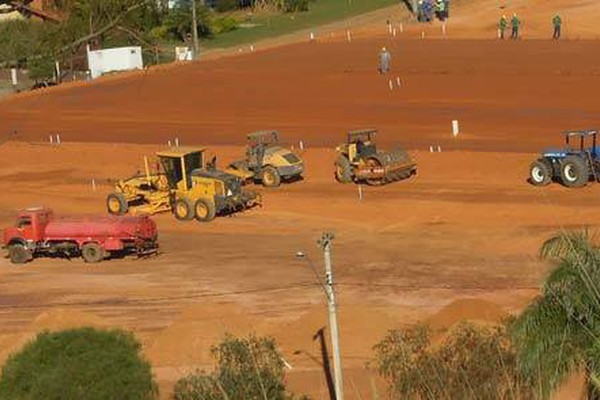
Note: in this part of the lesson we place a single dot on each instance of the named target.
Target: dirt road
(458, 241)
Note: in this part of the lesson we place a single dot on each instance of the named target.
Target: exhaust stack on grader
(359, 160)
(186, 185)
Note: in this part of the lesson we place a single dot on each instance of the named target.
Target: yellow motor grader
(359, 160)
(184, 184)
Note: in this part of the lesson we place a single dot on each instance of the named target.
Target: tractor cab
(582, 139)
(361, 144)
(178, 164)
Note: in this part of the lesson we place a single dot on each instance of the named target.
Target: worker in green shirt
(515, 23)
(557, 22)
(502, 24)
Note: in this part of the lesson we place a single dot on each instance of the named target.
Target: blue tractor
(573, 166)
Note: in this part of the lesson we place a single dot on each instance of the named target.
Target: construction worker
(515, 23)
(557, 22)
(384, 61)
(502, 24)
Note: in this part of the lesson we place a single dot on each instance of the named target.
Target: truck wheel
(116, 204)
(19, 254)
(270, 177)
(205, 210)
(540, 172)
(183, 209)
(574, 172)
(92, 253)
(343, 170)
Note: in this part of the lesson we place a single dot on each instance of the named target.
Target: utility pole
(325, 243)
(195, 30)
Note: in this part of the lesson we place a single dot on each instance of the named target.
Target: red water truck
(38, 232)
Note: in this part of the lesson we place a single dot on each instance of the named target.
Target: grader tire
(183, 209)
(18, 254)
(92, 253)
(574, 172)
(204, 210)
(116, 204)
(270, 177)
(343, 170)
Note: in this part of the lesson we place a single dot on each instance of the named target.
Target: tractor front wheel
(343, 170)
(183, 209)
(19, 254)
(540, 173)
(92, 253)
(574, 172)
(205, 210)
(270, 177)
(116, 203)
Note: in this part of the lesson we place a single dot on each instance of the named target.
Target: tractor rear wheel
(574, 172)
(92, 253)
(116, 204)
(19, 254)
(205, 210)
(183, 209)
(270, 177)
(343, 170)
(540, 172)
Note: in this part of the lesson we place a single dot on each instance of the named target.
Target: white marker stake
(169, 143)
(301, 145)
(312, 37)
(422, 34)
(13, 76)
(439, 149)
(348, 35)
(252, 48)
(455, 128)
(57, 138)
(401, 27)
(51, 139)
(394, 32)
(93, 185)
(398, 82)
(391, 84)
(443, 29)
(176, 142)
(360, 192)
(499, 34)
(431, 149)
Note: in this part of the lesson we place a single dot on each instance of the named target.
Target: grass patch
(321, 12)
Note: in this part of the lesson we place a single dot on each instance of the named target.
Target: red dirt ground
(458, 241)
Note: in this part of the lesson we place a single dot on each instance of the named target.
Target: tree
(558, 334)
(471, 363)
(78, 364)
(248, 368)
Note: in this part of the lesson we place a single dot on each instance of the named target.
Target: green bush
(78, 364)
(471, 363)
(226, 5)
(249, 368)
(41, 68)
(296, 5)
(224, 24)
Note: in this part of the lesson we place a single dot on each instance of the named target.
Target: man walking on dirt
(385, 59)
(557, 22)
(515, 23)
(502, 24)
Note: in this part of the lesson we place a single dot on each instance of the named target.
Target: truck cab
(29, 227)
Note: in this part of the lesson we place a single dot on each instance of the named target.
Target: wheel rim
(181, 210)
(201, 210)
(268, 178)
(569, 175)
(536, 174)
(114, 205)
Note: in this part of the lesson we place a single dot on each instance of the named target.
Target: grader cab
(184, 184)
